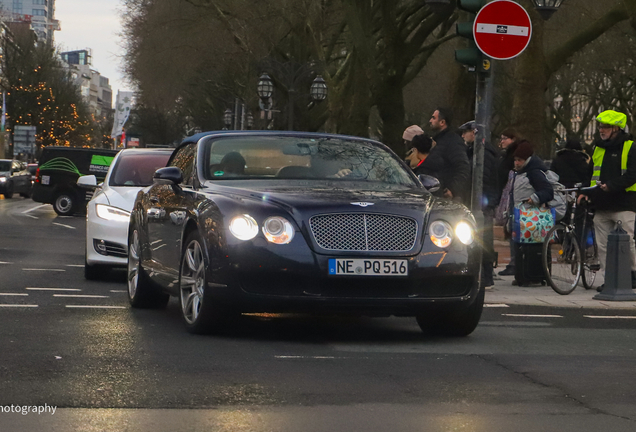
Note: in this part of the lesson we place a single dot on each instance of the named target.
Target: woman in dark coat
(572, 164)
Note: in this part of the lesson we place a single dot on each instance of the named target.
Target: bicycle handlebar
(581, 189)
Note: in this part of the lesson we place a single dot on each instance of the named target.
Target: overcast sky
(93, 24)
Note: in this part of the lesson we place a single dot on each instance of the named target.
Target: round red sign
(502, 29)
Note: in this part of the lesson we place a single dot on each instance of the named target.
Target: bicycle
(565, 263)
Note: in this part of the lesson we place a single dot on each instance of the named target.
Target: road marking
(495, 305)
(65, 226)
(4, 262)
(118, 291)
(31, 216)
(34, 208)
(17, 305)
(532, 316)
(95, 307)
(610, 317)
(54, 270)
(54, 289)
(13, 294)
(305, 357)
(79, 295)
(75, 265)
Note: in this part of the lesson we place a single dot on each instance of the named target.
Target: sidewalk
(542, 295)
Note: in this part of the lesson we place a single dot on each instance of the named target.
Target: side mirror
(168, 175)
(430, 183)
(87, 181)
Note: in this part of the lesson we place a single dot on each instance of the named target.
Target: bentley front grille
(364, 232)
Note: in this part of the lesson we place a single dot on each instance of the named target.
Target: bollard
(618, 268)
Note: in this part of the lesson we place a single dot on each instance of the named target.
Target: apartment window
(39, 12)
(40, 2)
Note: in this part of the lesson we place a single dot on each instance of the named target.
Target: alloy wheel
(192, 282)
(134, 264)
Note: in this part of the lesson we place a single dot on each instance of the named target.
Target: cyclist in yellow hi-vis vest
(614, 171)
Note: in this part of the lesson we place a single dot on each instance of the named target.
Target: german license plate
(368, 267)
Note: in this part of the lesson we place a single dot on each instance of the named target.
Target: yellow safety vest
(599, 154)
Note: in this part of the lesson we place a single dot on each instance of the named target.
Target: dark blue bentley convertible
(300, 222)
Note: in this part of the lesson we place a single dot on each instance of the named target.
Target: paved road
(107, 367)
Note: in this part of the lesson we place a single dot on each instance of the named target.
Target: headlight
(441, 233)
(112, 213)
(244, 227)
(464, 233)
(278, 230)
(3, 179)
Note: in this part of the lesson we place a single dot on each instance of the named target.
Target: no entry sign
(502, 29)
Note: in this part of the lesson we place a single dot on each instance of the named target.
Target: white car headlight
(3, 179)
(112, 213)
(278, 230)
(464, 233)
(441, 233)
(243, 227)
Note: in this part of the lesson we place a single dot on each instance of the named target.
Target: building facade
(40, 14)
(94, 87)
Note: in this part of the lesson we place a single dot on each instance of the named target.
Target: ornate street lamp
(318, 89)
(547, 7)
(227, 118)
(265, 87)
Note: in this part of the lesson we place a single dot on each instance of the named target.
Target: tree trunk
(529, 90)
(390, 105)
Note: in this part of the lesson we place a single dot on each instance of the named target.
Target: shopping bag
(531, 223)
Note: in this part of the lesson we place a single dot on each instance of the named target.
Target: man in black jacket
(615, 172)
(450, 149)
(572, 164)
(490, 196)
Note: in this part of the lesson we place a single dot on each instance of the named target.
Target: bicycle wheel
(562, 260)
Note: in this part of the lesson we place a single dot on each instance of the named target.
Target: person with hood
(408, 135)
(490, 196)
(615, 173)
(572, 164)
(530, 186)
(505, 163)
(537, 189)
(451, 152)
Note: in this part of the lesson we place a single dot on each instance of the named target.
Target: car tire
(8, 194)
(200, 312)
(142, 292)
(64, 203)
(95, 272)
(455, 323)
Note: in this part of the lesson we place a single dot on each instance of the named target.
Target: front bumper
(114, 236)
(296, 279)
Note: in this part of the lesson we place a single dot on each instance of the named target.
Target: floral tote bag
(531, 223)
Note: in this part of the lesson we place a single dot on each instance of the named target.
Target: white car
(108, 212)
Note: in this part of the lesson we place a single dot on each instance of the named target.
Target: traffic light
(471, 56)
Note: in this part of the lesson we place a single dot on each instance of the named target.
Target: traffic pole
(483, 113)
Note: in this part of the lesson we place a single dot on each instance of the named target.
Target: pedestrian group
(515, 177)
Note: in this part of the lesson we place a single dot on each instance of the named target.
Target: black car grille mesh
(364, 232)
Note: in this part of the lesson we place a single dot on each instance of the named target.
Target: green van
(60, 167)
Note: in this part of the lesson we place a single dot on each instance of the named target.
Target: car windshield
(137, 168)
(5, 165)
(275, 157)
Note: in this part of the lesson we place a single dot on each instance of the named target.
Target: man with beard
(450, 149)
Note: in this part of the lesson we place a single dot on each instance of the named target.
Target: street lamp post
(227, 118)
(291, 73)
